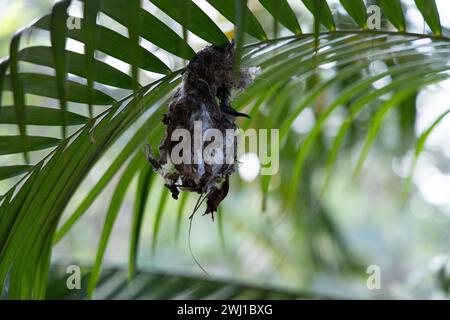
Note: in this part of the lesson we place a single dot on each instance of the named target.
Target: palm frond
(118, 103)
(113, 284)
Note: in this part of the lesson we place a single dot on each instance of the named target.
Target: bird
(230, 111)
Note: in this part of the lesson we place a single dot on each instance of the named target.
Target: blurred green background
(328, 244)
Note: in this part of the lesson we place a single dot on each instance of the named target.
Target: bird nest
(199, 150)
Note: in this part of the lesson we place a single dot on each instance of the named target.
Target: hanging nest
(204, 98)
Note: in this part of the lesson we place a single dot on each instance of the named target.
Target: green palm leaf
(283, 14)
(130, 110)
(114, 285)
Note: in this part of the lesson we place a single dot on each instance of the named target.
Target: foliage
(298, 71)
